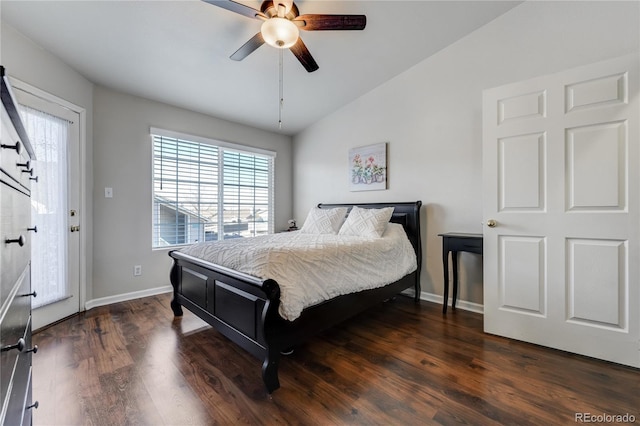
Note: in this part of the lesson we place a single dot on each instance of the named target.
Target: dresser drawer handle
(34, 178)
(20, 240)
(34, 405)
(26, 165)
(34, 349)
(32, 294)
(17, 147)
(34, 229)
(20, 345)
(30, 171)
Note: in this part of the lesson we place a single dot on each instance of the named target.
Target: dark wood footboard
(245, 308)
(238, 305)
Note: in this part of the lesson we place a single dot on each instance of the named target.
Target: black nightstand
(454, 242)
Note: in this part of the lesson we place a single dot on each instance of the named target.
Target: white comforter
(312, 268)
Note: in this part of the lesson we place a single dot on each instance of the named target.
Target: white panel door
(561, 161)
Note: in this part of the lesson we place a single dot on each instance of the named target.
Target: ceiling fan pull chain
(281, 94)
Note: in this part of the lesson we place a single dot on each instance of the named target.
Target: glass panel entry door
(54, 131)
(49, 205)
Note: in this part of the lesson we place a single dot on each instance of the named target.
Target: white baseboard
(460, 304)
(102, 301)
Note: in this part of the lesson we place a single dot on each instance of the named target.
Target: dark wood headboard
(407, 214)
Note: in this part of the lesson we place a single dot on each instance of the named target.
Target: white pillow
(324, 221)
(366, 222)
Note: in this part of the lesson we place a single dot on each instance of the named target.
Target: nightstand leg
(445, 263)
(454, 263)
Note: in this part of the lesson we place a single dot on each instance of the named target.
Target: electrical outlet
(137, 270)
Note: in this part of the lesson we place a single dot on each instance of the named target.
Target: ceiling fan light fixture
(280, 32)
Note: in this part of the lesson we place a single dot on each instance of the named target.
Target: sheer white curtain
(49, 206)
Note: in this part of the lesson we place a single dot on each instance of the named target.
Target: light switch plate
(108, 193)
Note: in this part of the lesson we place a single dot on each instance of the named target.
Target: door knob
(491, 223)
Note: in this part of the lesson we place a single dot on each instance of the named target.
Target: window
(205, 190)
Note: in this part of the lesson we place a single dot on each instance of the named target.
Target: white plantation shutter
(205, 190)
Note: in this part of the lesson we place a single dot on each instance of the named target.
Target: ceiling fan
(282, 22)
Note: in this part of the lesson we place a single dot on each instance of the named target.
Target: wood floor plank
(401, 363)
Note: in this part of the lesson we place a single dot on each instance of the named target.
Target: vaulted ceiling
(177, 52)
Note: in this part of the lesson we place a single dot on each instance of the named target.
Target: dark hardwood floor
(400, 363)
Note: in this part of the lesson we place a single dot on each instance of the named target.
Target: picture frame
(368, 167)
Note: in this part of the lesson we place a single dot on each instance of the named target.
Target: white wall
(431, 115)
(31, 64)
(123, 161)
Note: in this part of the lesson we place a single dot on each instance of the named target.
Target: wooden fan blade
(331, 22)
(237, 8)
(302, 53)
(248, 48)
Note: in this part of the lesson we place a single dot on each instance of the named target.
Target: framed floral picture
(368, 167)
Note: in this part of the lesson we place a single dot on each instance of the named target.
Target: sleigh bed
(245, 308)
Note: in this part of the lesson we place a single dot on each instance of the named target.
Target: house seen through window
(205, 190)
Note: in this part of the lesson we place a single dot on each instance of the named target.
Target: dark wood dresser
(16, 176)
